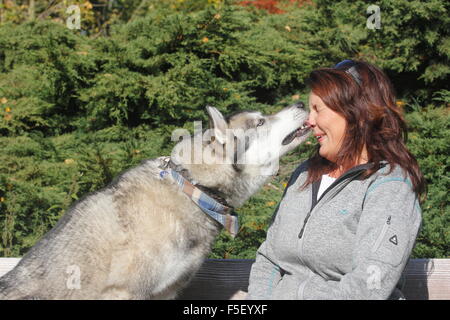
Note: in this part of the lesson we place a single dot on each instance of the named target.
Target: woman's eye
(260, 122)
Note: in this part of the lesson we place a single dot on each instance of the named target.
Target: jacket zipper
(381, 236)
(351, 174)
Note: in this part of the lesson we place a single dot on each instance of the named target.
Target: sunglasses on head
(349, 67)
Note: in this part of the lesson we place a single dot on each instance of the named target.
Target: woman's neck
(341, 169)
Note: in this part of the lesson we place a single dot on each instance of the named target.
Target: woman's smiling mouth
(320, 136)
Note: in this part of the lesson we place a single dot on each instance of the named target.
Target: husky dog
(146, 234)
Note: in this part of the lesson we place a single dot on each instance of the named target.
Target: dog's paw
(239, 295)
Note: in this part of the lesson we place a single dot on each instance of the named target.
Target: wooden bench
(425, 279)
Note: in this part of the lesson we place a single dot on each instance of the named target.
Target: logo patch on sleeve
(393, 239)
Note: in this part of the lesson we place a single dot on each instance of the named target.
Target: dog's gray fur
(141, 237)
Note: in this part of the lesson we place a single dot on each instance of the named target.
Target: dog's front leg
(239, 295)
(117, 285)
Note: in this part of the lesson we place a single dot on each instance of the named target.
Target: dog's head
(258, 140)
(237, 154)
(246, 140)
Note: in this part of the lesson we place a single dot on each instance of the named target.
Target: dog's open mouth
(296, 133)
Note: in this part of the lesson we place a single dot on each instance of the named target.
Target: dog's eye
(260, 122)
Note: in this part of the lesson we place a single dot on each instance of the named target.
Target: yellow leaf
(400, 103)
(3, 100)
(270, 203)
(205, 40)
(8, 109)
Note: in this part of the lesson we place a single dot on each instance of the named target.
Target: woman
(349, 217)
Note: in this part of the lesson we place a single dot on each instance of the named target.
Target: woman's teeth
(320, 137)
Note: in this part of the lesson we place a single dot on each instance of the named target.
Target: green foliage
(76, 111)
(412, 44)
(43, 67)
(40, 177)
(429, 137)
(155, 70)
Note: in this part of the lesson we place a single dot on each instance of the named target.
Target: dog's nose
(299, 105)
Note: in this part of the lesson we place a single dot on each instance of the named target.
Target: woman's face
(328, 127)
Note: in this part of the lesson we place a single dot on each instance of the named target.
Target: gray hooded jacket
(352, 243)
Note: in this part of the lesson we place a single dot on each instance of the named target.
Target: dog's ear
(218, 123)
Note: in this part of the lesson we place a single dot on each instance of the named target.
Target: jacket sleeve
(265, 273)
(387, 230)
(264, 276)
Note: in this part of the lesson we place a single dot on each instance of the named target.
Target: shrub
(429, 134)
(75, 111)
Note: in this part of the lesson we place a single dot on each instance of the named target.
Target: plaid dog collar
(220, 213)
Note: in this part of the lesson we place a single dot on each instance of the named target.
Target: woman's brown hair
(365, 97)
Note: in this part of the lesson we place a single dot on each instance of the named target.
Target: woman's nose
(311, 121)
